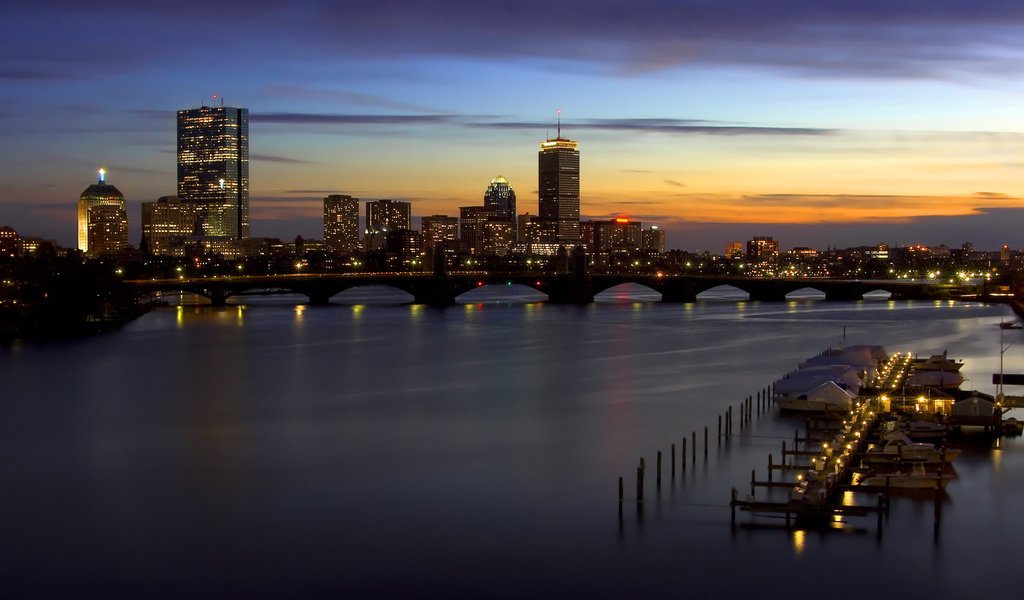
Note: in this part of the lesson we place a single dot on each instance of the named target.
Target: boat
(914, 479)
(1012, 426)
(897, 446)
(937, 362)
(935, 379)
(823, 397)
(925, 430)
(1010, 325)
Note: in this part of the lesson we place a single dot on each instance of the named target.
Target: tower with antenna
(558, 203)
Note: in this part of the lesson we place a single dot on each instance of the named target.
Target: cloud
(671, 126)
(346, 97)
(674, 183)
(347, 119)
(280, 159)
(947, 39)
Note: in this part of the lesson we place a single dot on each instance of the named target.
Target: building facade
(213, 168)
(440, 230)
(10, 242)
(166, 224)
(102, 219)
(341, 224)
(654, 239)
(558, 169)
(383, 216)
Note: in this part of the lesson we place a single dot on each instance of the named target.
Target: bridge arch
(807, 292)
(723, 291)
(501, 292)
(630, 291)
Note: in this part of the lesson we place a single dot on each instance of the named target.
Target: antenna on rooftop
(558, 113)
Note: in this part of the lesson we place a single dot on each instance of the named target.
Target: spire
(103, 175)
(558, 113)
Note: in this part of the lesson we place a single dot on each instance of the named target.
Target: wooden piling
(753, 474)
(658, 473)
(673, 461)
(719, 427)
(770, 469)
(683, 457)
(732, 505)
(639, 484)
(693, 442)
(705, 442)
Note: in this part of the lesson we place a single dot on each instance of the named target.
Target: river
(373, 449)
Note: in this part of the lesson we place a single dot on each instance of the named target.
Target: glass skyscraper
(558, 165)
(213, 168)
(341, 223)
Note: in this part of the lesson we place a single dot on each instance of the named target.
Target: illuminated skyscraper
(341, 223)
(102, 219)
(213, 168)
(558, 165)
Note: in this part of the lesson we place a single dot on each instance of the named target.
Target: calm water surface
(381, 449)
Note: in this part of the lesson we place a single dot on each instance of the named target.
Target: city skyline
(844, 124)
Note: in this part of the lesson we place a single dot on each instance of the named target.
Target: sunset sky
(818, 123)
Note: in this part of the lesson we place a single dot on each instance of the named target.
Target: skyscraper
(213, 168)
(501, 198)
(341, 223)
(558, 185)
(102, 219)
(383, 216)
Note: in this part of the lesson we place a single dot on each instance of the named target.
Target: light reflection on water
(381, 448)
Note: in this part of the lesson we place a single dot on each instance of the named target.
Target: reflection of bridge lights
(479, 283)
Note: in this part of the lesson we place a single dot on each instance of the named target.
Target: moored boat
(898, 447)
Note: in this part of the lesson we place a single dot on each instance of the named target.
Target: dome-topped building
(500, 198)
(102, 219)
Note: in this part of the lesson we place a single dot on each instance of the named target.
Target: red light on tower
(622, 219)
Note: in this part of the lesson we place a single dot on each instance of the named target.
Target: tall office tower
(213, 168)
(383, 216)
(440, 230)
(558, 165)
(341, 223)
(166, 223)
(615, 235)
(102, 230)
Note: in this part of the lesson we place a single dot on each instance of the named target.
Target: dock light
(479, 283)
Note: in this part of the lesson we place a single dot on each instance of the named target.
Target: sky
(835, 123)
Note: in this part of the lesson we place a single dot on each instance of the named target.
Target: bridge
(566, 288)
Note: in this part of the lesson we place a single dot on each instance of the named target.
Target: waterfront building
(102, 219)
(558, 169)
(734, 251)
(166, 224)
(404, 249)
(383, 216)
(440, 230)
(762, 256)
(499, 236)
(341, 223)
(10, 242)
(213, 168)
(472, 220)
(653, 239)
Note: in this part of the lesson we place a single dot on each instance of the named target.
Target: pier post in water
(673, 461)
(693, 442)
(658, 476)
(682, 455)
(639, 485)
(769, 468)
(705, 442)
